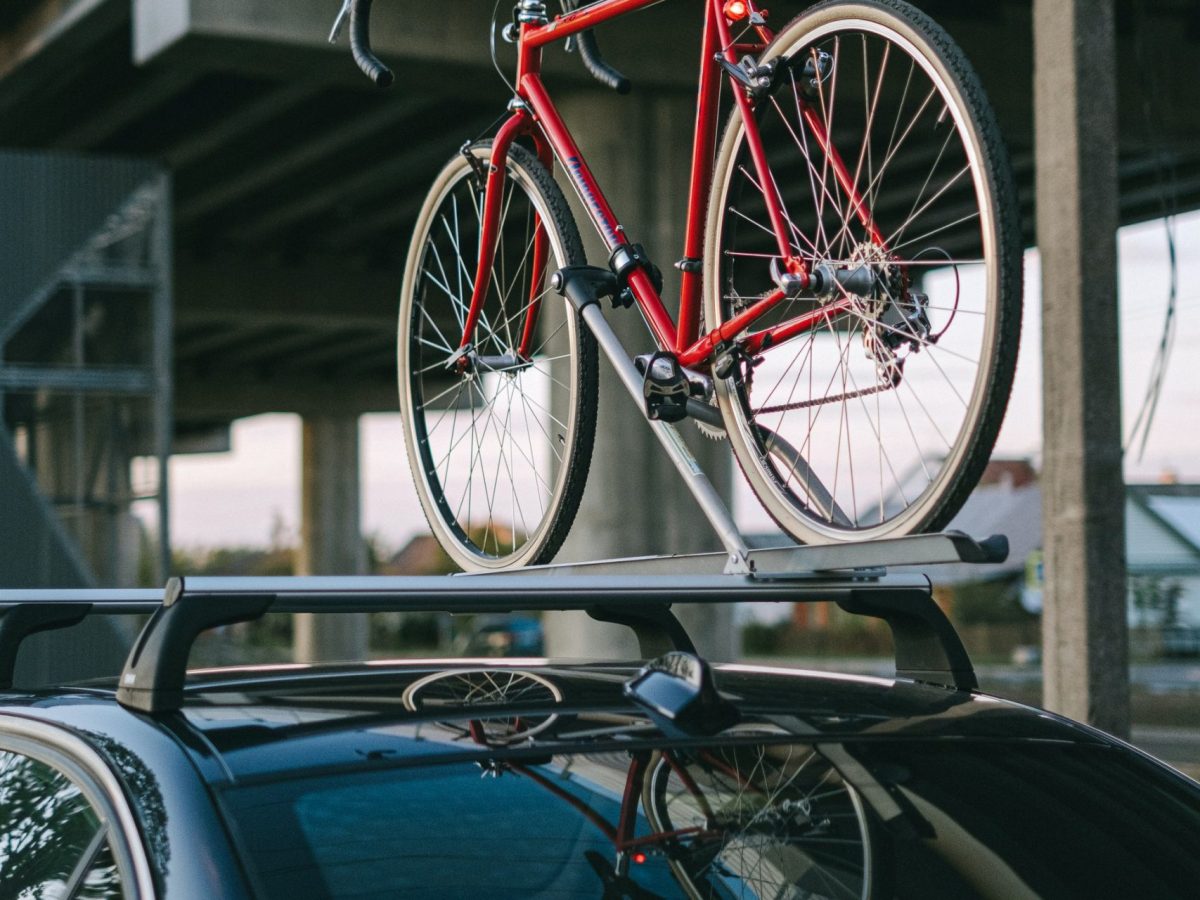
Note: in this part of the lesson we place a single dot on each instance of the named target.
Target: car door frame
(87, 770)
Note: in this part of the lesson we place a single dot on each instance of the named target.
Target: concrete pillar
(330, 534)
(1084, 630)
(635, 503)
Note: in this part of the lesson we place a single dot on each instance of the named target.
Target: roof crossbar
(927, 647)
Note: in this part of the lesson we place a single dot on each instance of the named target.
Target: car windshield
(878, 818)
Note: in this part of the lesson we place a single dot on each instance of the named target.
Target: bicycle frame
(534, 115)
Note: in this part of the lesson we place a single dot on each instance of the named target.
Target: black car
(533, 778)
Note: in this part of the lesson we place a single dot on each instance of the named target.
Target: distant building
(1162, 535)
(1008, 501)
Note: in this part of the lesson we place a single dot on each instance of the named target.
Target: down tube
(597, 206)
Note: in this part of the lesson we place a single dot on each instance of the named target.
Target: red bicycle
(850, 288)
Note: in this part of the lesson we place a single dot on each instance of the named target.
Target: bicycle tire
(925, 439)
(759, 821)
(482, 689)
(499, 456)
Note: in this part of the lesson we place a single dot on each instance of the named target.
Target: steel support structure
(1084, 626)
(86, 366)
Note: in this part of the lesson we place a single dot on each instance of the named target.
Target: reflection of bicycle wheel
(481, 688)
(759, 821)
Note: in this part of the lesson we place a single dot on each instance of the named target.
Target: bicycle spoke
(939, 230)
(741, 843)
(899, 232)
(924, 186)
(811, 171)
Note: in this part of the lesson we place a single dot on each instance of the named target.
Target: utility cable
(1168, 202)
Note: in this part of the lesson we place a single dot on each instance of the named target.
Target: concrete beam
(237, 124)
(321, 294)
(318, 148)
(324, 199)
(265, 35)
(203, 398)
(45, 45)
(158, 88)
(1084, 631)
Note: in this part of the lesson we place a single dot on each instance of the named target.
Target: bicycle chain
(837, 398)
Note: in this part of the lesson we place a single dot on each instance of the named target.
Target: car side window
(53, 844)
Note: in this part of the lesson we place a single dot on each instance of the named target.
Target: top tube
(562, 27)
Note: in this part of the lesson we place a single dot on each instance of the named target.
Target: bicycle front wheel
(499, 438)
(870, 401)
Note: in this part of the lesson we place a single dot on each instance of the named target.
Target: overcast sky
(234, 498)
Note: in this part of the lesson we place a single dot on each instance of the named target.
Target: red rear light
(736, 10)
(639, 858)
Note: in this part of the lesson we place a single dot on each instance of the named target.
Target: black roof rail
(927, 647)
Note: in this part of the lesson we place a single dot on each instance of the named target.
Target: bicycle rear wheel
(878, 418)
(499, 444)
(755, 821)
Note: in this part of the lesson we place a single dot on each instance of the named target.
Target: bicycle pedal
(666, 387)
(699, 386)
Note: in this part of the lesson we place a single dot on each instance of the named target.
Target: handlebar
(360, 41)
(589, 52)
(359, 12)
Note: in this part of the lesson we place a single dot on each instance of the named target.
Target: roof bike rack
(738, 558)
(926, 646)
(862, 558)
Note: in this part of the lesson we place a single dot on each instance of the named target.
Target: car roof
(251, 723)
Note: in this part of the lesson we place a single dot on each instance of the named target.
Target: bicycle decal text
(588, 193)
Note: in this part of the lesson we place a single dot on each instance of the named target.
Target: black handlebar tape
(360, 45)
(589, 51)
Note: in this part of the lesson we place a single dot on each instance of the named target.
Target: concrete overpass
(295, 184)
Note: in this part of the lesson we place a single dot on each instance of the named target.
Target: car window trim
(89, 771)
(87, 860)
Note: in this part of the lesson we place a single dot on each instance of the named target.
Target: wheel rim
(820, 433)
(483, 688)
(761, 821)
(489, 445)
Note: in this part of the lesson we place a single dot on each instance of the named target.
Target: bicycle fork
(496, 175)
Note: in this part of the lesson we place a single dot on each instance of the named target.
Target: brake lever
(339, 22)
